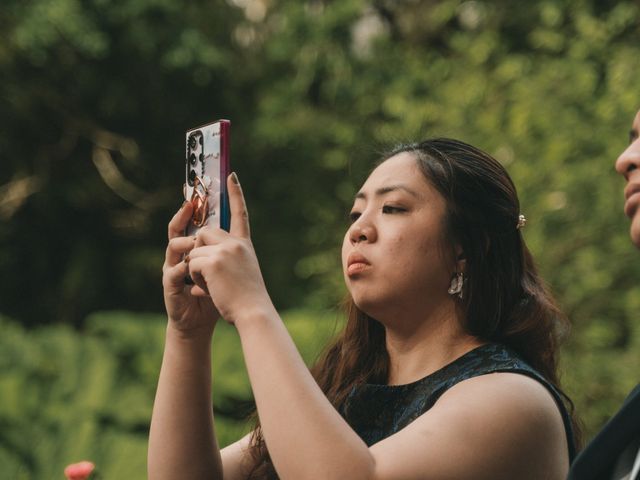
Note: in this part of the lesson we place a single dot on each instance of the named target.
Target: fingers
(173, 278)
(177, 248)
(196, 291)
(175, 275)
(210, 236)
(180, 220)
(195, 270)
(238, 207)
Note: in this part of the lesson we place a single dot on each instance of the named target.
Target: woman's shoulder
(484, 363)
(513, 392)
(517, 407)
(499, 425)
(486, 358)
(490, 358)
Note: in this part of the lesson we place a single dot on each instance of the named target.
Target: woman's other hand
(224, 265)
(189, 314)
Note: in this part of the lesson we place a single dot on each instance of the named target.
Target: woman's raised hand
(187, 313)
(224, 266)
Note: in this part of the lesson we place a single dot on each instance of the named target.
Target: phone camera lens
(192, 177)
(192, 159)
(192, 142)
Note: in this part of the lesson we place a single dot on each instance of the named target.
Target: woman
(447, 365)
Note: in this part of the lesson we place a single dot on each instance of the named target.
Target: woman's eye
(353, 216)
(392, 209)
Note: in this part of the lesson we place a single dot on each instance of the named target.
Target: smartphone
(207, 168)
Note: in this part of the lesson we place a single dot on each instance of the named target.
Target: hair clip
(522, 221)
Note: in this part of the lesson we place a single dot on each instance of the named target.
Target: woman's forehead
(399, 173)
(401, 167)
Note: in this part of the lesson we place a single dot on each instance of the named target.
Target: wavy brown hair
(505, 300)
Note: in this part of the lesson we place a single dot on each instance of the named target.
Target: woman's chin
(363, 302)
(372, 307)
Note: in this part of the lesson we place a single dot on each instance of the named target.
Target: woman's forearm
(182, 442)
(306, 436)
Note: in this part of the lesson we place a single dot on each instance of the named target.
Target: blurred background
(95, 97)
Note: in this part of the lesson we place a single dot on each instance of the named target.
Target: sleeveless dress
(378, 411)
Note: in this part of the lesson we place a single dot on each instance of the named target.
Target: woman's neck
(420, 347)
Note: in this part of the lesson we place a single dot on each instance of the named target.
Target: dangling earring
(456, 285)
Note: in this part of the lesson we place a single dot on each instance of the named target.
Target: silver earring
(456, 285)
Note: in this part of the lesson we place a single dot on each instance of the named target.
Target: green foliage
(67, 396)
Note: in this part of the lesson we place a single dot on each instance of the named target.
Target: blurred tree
(94, 97)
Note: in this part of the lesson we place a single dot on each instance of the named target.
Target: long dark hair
(504, 301)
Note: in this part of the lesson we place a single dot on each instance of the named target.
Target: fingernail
(184, 204)
(234, 178)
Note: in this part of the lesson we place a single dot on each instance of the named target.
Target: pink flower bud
(79, 471)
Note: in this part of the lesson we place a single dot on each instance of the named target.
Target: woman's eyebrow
(391, 188)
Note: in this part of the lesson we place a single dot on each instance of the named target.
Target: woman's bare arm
(182, 442)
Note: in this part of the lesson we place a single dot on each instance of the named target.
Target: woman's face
(393, 254)
(628, 165)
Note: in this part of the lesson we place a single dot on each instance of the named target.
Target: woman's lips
(357, 263)
(356, 268)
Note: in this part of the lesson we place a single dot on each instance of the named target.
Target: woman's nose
(362, 231)
(629, 160)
